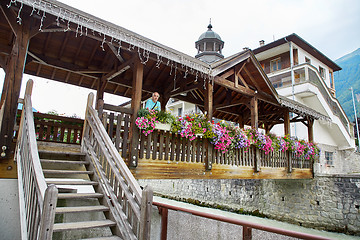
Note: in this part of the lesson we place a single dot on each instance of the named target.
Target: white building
(299, 72)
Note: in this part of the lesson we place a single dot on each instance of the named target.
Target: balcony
(306, 73)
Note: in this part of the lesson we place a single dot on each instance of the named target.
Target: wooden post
(145, 218)
(135, 106)
(48, 213)
(209, 100)
(286, 123)
(163, 101)
(209, 109)
(100, 92)
(289, 162)
(12, 84)
(164, 222)
(310, 129)
(254, 113)
(247, 233)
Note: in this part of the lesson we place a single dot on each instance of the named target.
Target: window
(275, 65)
(307, 60)
(322, 72)
(329, 158)
(179, 111)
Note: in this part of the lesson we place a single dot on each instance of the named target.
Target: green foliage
(165, 117)
(143, 112)
(348, 77)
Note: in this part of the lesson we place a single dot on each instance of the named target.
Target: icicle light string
(118, 33)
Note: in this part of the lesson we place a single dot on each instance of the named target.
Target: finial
(210, 26)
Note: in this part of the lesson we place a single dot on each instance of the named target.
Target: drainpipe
(292, 75)
(356, 121)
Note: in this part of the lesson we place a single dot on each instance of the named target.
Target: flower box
(163, 126)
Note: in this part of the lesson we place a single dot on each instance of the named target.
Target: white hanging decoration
(116, 33)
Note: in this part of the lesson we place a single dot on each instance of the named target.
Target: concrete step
(60, 182)
(51, 171)
(61, 210)
(79, 195)
(58, 227)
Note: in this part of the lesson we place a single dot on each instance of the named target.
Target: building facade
(300, 72)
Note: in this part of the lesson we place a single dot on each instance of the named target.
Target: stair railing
(129, 206)
(37, 200)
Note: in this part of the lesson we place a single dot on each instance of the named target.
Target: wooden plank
(178, 145)
(148, 146)
(198, 149)
(126, 136)
(183, 148)
(167, 144)
(193, 150)
(188, 151)
(111, 125)
(173, 144)
(155, 135)
(142, 145)
(157, 169)
(58, 227)
(161, 145)
(62, 210)
(119, 119)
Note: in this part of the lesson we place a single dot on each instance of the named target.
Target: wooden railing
(167, 146)
(59, 129)
(129, 205)
(37, 200)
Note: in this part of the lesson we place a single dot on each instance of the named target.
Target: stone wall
(328, 203)
(344, 161)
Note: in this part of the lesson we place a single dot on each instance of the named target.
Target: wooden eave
(83, 56)
(304, 45)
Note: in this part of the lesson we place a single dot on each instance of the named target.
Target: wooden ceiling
(65, 52)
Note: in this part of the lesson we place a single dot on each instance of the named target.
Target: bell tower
(209, 46)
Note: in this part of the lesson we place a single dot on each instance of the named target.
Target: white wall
(9, 205)
(314, 61)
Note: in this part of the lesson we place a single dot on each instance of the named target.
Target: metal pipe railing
(247, 226)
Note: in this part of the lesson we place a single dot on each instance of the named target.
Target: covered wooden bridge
(52, 40)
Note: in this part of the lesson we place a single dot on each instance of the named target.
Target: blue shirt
(150, 105)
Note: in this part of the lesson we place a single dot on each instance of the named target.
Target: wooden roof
(304, 45)
(73, 47)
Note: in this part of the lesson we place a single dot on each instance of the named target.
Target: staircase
(81, 212)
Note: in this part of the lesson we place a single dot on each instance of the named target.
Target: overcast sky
(331, 26)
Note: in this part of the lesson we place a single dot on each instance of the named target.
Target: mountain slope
(348, 77)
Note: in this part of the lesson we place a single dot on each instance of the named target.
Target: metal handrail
(247, 226)
(37, 200)
(128, 204)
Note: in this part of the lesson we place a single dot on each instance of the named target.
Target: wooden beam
(229, 84)
(310, 129)
(12, 85)
(10, 17)
(138, 75)
(254, 113)
(286, 123)
(119, 70)
(232, 104)
(209, 100)
(252, 79)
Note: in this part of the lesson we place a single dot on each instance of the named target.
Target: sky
(331, 26)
